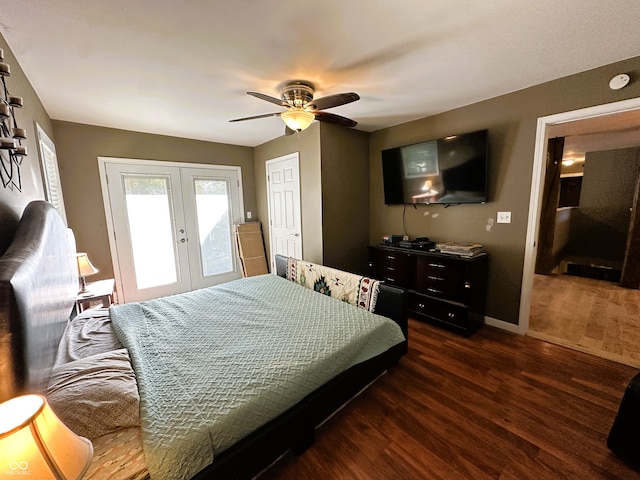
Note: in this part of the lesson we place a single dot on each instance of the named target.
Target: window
(50, 172)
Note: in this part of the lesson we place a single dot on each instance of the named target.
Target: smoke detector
(619, 81)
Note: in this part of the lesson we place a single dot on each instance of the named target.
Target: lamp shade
(34, 442)
(85, 267)
(297, 119)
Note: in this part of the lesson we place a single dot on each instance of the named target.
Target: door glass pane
(214, 226)
(149, 213)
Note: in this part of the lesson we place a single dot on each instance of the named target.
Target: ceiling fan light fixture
(297, 120)
(302, 109)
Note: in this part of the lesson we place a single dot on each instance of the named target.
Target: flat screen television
(450, 170)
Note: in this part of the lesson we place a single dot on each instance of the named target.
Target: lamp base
(83, 286)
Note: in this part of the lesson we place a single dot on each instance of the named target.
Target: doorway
(590, 209)
(170, 225)
(570, 123)
(283, 197)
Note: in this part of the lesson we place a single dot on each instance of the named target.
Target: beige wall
(334, 184)
(345, 197)
(79, 146)
(511, 120)
(307, 144)
(13, 202)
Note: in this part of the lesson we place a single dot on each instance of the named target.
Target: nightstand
(98, 293)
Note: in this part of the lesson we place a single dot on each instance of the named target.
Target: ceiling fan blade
(256, 116)
(331, 101)
(333, 118)
(268, 98)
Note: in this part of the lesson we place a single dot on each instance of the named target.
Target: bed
(38, 284)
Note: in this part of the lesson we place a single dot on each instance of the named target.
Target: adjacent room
(581, 297)
(288, 239)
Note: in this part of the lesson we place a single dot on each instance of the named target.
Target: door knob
(183, 240)
(295, 234)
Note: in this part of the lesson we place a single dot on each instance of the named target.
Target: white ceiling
(182, 68)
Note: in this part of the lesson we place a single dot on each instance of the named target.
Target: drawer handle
(391, 269)
(421, 306)
(391, 257)
(439, 279)
(392, 280)
(433, 290)
(451, 315)
(467, 285)
(437, 265)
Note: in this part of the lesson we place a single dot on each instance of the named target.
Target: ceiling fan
(301, 108)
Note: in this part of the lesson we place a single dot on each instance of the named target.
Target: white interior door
(172, 226)
(283, 187)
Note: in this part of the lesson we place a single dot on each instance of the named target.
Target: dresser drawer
(392, 276)
(443, 278)
(394, 268)
(455, 315)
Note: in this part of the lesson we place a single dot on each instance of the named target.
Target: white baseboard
(511, 327)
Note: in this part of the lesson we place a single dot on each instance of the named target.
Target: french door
(172, 225)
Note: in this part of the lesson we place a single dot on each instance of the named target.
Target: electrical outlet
(504, 217)
(248, 215)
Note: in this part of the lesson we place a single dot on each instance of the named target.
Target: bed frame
(38, 285)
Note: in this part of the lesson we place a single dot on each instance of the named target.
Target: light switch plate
(504, 217)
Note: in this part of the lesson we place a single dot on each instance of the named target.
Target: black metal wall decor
(11, 136)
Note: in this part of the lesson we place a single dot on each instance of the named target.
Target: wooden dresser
(444, 289)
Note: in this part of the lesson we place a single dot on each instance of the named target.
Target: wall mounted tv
(448, 170)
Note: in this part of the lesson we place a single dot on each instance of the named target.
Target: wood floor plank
(591, 315)
(493, 406)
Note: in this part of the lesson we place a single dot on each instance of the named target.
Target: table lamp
(85, 268)
(34, 442)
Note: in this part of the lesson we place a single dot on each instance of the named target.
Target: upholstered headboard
(38, 286)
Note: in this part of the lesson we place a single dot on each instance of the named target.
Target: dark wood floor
(493, 406)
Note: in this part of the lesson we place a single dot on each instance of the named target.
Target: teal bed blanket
(215, 364)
